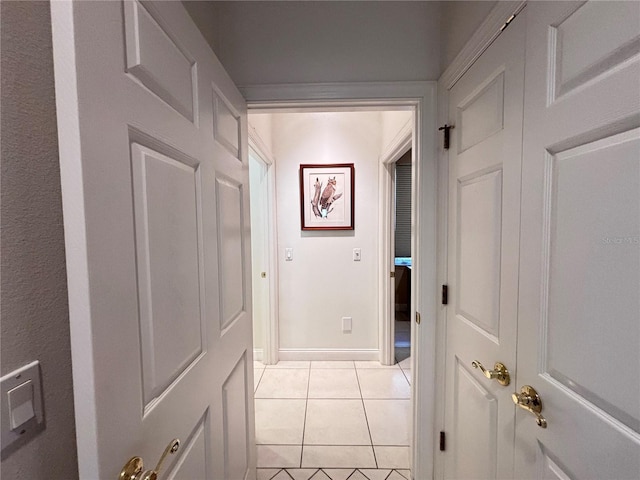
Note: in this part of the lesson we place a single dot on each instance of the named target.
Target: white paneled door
(579, 304)
(485, 106)
(153, 151)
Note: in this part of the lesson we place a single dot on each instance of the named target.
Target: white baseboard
(257, 354)
(328, 354)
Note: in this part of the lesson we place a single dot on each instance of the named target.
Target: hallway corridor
(334, 420)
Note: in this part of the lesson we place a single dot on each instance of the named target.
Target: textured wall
(35, 323)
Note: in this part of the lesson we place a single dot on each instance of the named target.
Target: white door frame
(270, 340)
(422, 97)
(399, 146)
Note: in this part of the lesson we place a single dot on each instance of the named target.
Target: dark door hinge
(446, 129)
(442, 442)
(445, 294)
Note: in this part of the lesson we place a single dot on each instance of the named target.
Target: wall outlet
(357, 254)
(346, 324)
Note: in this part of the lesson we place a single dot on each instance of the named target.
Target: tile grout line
(259, 380)
(332, 398)
(366, 419)
(276, 474)
(404, 373)
(354, 472)
(402, 474)
(304, 421)
(325, 445)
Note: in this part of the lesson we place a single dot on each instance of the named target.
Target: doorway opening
(310, 360)
(421, 97)
(402, 257)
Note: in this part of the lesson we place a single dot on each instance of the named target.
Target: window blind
(403, 210)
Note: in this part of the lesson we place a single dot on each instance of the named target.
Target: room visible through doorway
(402, 257)
(327, 371)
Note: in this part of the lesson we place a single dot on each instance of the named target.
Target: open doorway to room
(329, 401)
(259, 197)
(402, 258)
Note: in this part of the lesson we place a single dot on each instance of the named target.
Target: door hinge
(392, 274)
(418, 319)
(446, 129)
(442, 442)
(445, 294)
(506, 24)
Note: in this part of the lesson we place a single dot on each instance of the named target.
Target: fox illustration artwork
(322, 200)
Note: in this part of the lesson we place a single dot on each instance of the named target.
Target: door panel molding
(192, 460)
(571, 65)
(577, 210)
(171, 76)
(475, 429)
(478, 294)
(580, 184)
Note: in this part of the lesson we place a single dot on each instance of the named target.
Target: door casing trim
(270, 341)
(398, 147)
(422, 97)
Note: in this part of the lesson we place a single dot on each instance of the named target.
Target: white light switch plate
(21, 403)
(347, 324)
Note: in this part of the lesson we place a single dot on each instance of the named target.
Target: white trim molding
(400, 144)
(256, 142)
(269, 353)
(486, 33)
(373, 94)
(422, 97)
(328, 354)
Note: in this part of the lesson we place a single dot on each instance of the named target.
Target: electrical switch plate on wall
(357, 254)
(346, 324)
(288, 254)
(21, 403)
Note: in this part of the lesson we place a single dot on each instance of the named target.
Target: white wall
(300, 42)
(35, 317)
(459, 20)
(393, 123)
(323, 284)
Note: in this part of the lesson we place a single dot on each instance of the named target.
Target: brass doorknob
(529, 400)
(499, 372)
(134, 468)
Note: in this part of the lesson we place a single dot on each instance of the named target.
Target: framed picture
(326, 196)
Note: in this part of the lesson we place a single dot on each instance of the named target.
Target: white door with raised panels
(579, 303)
(485, 107)
(153, 152)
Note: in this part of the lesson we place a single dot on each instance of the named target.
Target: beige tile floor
(332, 420)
